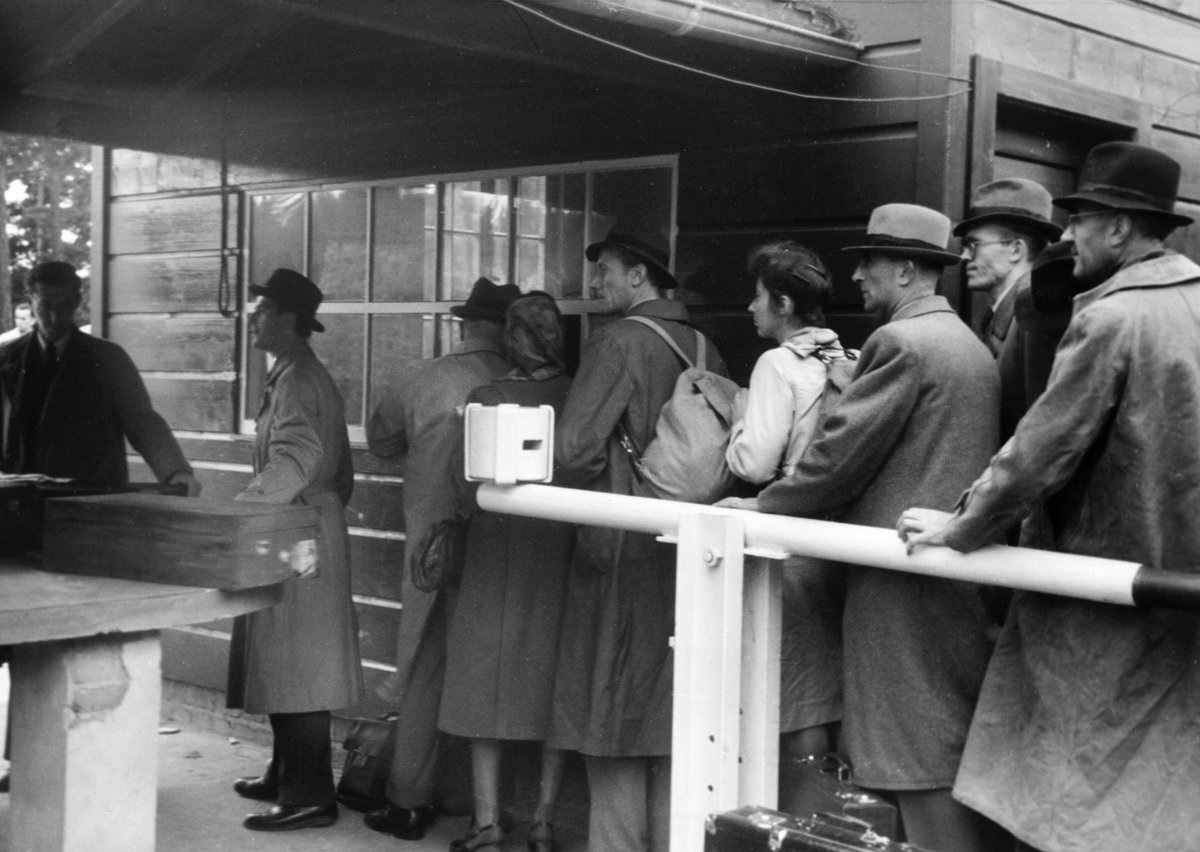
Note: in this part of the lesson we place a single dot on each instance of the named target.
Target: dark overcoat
(301, 655)
(96, 401)
(915, 425)
(1087, 735)
(613, 692)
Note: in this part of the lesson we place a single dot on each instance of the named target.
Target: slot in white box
(507, 443)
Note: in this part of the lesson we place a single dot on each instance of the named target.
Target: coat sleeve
(857, 438)
(145, 428)
(294, 449)
(386, 430)
(759, 441)
(598, 398)
(1050, 442)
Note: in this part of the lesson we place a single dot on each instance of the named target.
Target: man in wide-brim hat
(1086, 730)
(1007, 225)
(419, 421)
(919, 418)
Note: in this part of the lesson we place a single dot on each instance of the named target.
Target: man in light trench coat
(298, 660)
(420, 422)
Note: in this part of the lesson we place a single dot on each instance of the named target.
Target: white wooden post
(725, 742)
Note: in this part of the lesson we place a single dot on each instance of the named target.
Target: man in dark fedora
(1086, 731)
(612, 699)
(420, 423)
(1007, 225)
(298, 660)
(919, 417)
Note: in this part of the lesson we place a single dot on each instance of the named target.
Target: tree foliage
(47, 193)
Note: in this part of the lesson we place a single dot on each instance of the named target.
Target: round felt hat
(909, 230)
(1127, 176)
(293, 293)
(644, 251)
(488, 300)
(1014, 201)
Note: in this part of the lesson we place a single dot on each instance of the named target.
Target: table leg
(84, 749)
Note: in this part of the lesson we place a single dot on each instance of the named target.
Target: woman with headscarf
(502, 645)
(781, 415)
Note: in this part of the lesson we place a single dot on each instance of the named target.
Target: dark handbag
(369, 745)
(438, 556)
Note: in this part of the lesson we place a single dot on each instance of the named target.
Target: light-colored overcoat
(1087, 735)
(915, 425)
(301, 655)
(421, 423)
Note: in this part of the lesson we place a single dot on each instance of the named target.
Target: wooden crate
(220, 544)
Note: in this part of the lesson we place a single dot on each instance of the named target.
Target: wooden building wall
(962, 93)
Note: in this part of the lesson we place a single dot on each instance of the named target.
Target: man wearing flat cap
(920, 415)
(612, 699)
(1007, 225)
(298, 660)
(1086, 731)
(420, 422)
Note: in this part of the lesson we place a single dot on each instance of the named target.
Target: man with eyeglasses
(1007, 225)
(1086, 730)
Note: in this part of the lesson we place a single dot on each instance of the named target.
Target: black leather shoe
(288, 817)
(4, 783)
(256, 787)
(405, 823)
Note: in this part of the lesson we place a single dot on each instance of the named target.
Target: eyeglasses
(971, 247)
(1075, 218)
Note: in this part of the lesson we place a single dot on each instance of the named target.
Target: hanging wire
(748, 84)
(224, 287)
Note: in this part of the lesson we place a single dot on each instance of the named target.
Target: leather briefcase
(755, 829)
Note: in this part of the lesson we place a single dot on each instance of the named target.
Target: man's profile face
(54, 307)
(1087, 230)
(23, 319)
(990, 253)
(877, 277)
(614, 282)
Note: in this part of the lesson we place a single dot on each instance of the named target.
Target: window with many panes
(392, 257)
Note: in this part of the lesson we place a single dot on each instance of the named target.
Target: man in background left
(69, 400)
(22, 322)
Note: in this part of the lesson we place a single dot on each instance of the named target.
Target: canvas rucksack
(685, 460)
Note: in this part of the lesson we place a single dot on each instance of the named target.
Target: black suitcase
(363, 782)
(755, 829)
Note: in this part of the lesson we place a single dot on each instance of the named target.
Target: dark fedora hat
(1051, 283)
(909, 230)
(488, 301)
(649, 254)
(1015, 201)
(1127, 176)
(294, 294)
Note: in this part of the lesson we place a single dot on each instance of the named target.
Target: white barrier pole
(1087, 577)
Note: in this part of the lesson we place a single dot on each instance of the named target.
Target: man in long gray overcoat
(421, 424)
(922, 409)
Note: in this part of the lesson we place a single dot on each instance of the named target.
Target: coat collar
(477, 344)
(921, 306)
(668, 309)
(1165, 270)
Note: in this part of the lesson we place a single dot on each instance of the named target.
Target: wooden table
(86, 687)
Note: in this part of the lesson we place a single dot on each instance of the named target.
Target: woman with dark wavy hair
(781, 414)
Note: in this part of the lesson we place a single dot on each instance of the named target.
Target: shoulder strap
(658, 329)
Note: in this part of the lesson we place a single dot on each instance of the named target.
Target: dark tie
(49, 364)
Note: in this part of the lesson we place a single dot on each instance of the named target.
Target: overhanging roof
(292, 83)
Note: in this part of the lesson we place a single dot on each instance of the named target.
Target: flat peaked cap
(1127, 176)
(56, 273)
(909, 230)
(488, 301)
(652, 255)
(294, 294)
(1016, 201)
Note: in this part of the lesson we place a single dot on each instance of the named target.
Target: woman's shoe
(541, 837)
(488, 837)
